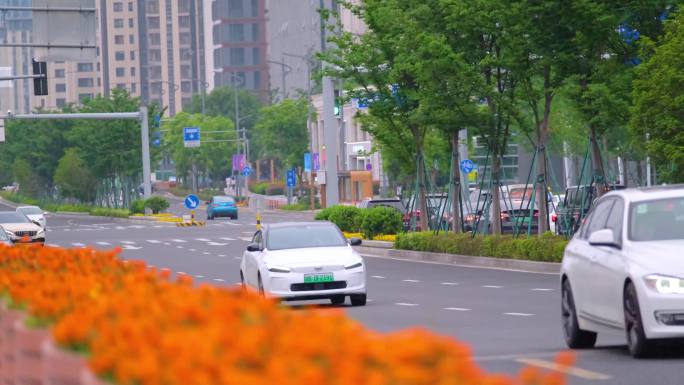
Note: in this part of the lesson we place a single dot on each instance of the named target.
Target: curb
(459, 260)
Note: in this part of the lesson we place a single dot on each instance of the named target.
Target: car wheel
(262, 292)
(575, 337)
(358, 299)
(639, 346)
(337, 300)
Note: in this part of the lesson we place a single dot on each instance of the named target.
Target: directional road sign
(246, 171)
(191, 136)
(467, 166)
(291, 178)
(191, 202)
(307, 162)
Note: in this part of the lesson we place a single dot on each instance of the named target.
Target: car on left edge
(20, 229)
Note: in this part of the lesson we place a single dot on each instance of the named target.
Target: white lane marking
(571, 370)
(541, 289)
(238, 258)
(520, 314)
(153, 241)
(128, 242)
(178, 240)
(130, 247)
(411, 280)
(167, 244)
(221, 255)
(52, 245)
(104, 243)
(227, 239)
(203, 239)
(248, 232)
(179, 247)
(78, 244)
(192, 249)
(492, 286)
(66, 230)
(457, 265)
(405, 304)
(247, 239)
(206, 253)
(120, 228)
(377, 276)
(216, 244)
(199, 276)
(182, 273)
(457, 308)
(136, 227)
(219, 280)
(449, 283)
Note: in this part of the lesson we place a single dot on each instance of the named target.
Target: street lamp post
(283, 73)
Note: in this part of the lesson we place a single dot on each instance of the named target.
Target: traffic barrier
(190, 224)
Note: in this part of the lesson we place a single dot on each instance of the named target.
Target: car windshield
(30, 210)
(303, 236)
(13, 217)
(657, 220)
(224, 200)
(520, 193)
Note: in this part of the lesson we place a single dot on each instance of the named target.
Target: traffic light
(40, 84)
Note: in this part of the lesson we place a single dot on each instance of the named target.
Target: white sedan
(304, 261)
(35, 214)
(623, 271)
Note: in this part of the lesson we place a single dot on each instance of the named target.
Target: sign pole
(145, 136)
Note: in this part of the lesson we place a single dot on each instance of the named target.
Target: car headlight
(278, 269)
(354, 265)
(665, 284)
(41, 232)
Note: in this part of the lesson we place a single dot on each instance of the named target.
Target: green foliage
(324, 215)
(73, 178)
(265, 188)
(138, 206)
(259, 188)
(381, 221)
(69, 208)
(157, 204)
(19, 198)
(108, 212)
(295, 207)
(347, 218)
(281, 133)
(25, 175)
(659, 102)
(547, 248)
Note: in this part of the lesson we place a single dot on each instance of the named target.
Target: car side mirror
(604, 237)
(355, 241)
(252, 247)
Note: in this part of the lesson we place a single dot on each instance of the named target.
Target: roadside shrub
(259, 188)
(295, 207)
(157, 204)
(107, 212)
(381, 221)
(138, 206)
(275, 189)
(324, 214)
(547, 248)
(347, 218)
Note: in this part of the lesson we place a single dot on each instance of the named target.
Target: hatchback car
(304, 261)
(20, 229)
(623, 271)
(222, 206)
(34, 213)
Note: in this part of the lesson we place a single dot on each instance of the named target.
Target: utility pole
(145, 136)
(330, 127)
(237, 128)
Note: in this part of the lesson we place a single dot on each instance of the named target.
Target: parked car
(222, 206)
(304, 261)
(578, 200)
(623, 271)
(20, 229)
(515, 217)
(35, 214)
(394, 203)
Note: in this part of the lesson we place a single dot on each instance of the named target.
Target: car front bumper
(224, 212)
(280, 285)
(652, 303)
(37, 239)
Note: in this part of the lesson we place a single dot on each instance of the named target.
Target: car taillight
(536, 214)
(505, 216)
(554, 218)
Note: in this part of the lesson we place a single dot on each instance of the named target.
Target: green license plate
(317, 278)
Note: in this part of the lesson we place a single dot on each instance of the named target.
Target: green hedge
(547, 248)
(380, 221)
(157, 204)
(71, 208)
(106, 212)
(265, 188)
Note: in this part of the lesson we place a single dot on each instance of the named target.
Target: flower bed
(137, 326)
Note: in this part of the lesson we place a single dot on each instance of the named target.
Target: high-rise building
(15, 27)
(238, 54)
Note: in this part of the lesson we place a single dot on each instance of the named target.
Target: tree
(25, 175)
(658, 112)
(73, 178)
(281, 133)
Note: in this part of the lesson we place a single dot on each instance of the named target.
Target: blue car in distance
(222, 206)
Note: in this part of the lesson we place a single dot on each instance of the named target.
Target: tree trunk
(422, 206)
(495, 209)
(455, 186)
(193, 173)
(599, 174)
(540, 193)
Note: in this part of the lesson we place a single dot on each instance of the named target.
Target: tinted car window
(598, 218)
(657, 220)
(614, 221)
(13, 217)
(224, 200)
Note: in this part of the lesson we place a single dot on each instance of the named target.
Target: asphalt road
(509, 318)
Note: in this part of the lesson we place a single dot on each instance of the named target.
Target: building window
(120, 56)
(85, 82)
(155, 39)
(185, 71)
(83, 97)
(59, 74)
(99, 82)
(131, 39)
(118, 23)
(235, 8)
(255, 32)
(131, 23)
(184, 6)
(185, 54)
(133, 71)
(155, 72)
(257, 80)
(134, 88)
(152, 6)
(256, 58)
(61, 102)
(121, 86)
(186, 87)
(118, 6)
(132, 55)
(118, 39)
(184, 38)
(130, 6)
(236, 32)
(120, 72)
(84, 67)
(60, 87)
(237, 56)
(184, 21)
(155, 88)
(255, 7)
(155, 55)
(153, 22)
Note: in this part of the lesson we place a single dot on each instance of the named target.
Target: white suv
(623, 271)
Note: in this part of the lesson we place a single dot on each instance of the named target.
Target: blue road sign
(467, 166)
(191, 202)
(291, 178)
(191, 136)
(246, 171)
(307, 162)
